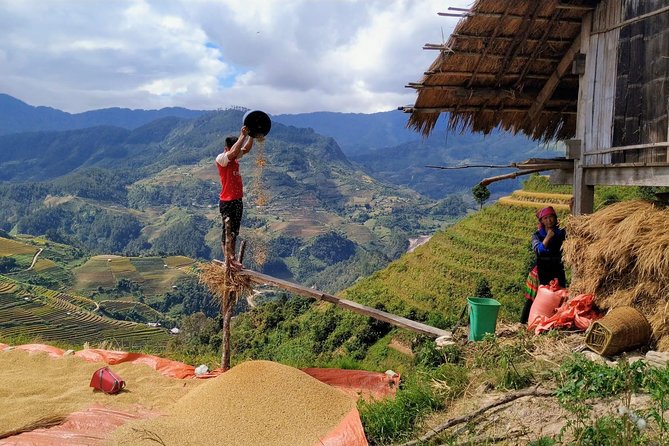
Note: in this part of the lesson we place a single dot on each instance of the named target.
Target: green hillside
(492, 244)
(153, 192)
(430, 284)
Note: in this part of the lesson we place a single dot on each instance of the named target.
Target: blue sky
(282, 56)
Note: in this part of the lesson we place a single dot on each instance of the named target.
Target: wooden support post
(228, 298)
(242, 250)
(584, 194)
(227, 318)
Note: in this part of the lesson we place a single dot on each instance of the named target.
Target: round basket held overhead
(258, 123)
(622, 329)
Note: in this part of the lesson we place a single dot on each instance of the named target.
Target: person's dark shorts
(233, 209)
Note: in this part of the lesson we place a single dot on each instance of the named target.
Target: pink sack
(549, 298)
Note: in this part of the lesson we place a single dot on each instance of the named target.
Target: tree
(7, 264)
(483, 288)
(481, 194)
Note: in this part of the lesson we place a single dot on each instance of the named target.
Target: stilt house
(594, 74)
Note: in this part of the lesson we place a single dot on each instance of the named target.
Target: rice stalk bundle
(224, 283)
(621, 255)
(659, 322)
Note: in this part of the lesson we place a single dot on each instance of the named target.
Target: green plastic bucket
(482, 316)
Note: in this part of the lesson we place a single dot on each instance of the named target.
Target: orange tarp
(577, 312)
(90, 427)
(355, 382)
(86, 428)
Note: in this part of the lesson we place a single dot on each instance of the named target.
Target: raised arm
(243, 141)
(248, 145)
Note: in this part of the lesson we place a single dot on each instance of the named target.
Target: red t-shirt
(231, 180)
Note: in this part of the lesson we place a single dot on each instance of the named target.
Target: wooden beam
(549, 88)
(412, 109)
(583, 8)
(491, 94)
(559, 6)
(392, 319)
(509, 39)
(464, 92)
(651, 145)
(488, 93)
(437, 46)
(486, 181)
(634, 20)
(575, 21)
(496, 56)
(486, 75)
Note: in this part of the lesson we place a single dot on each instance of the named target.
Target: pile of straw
(620, 254)
(224, 284)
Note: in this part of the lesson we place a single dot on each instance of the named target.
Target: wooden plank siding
(642, 113)
(622, 122)
(601, 77)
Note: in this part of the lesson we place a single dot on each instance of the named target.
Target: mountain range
(142, 182)
(366, 139)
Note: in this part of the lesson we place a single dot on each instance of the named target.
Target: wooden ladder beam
(384, 316)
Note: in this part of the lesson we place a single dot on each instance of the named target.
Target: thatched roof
(508, 63)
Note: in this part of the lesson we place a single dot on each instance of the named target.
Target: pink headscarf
(544, 212)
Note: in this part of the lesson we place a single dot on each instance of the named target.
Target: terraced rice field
(178, 261)
(493, 244)
(49, 319)
(7, 287)
(153, 274)
(122, 306)
(44, 264)
(12, 247)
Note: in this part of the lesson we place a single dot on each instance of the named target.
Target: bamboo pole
(486, 181)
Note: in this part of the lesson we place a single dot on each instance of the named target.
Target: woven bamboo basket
(622, 329)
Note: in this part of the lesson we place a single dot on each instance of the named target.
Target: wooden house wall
(598, 85)
(642, 92)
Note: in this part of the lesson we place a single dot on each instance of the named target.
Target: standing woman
(547, 246)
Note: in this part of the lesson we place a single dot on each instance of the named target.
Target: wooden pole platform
(392, 319)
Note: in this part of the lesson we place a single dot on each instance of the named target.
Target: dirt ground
(525, 419)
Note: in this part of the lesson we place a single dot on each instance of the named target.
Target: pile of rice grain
(35, 387)
(621, 255)
(254, 403)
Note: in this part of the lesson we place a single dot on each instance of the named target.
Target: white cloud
(284, 56)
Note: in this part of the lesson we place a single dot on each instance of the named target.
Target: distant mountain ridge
(16, 116)
(379, 142)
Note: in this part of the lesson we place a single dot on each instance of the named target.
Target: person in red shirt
(230, 200)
